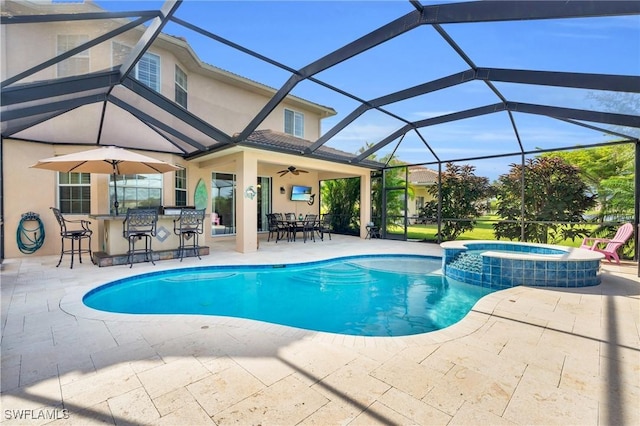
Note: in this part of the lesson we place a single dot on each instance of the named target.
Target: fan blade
(283, 172)
(295, 172)
(302, 171)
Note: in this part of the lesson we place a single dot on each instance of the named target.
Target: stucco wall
(226, 101)
(26, 190)
(418, 191)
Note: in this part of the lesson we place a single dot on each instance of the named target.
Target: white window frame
(181, 186)
(155, 60)
(74, 180)
(181, 81)
(124, 49)
(297, 123)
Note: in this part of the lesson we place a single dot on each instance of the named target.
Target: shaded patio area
(522, 356)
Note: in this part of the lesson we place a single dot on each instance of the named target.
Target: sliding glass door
(264, 202)
(223, 203)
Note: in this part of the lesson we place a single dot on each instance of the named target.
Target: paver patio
(522, 356)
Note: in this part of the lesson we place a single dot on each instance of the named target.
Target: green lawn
(482, 231)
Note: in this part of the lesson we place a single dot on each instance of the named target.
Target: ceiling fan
(292, 170)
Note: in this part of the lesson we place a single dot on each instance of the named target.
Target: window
(294, 123)
(78, 63)
(181, 87)
(147, 70)
(136, 191)
(74, 193)
(181, 187)
(419, 203)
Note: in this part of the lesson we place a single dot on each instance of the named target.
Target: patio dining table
(293, 226)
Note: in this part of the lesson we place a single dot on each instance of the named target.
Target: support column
(365, 203)
(246, 203)
(636, 211)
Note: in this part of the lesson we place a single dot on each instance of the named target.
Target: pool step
(346, 274)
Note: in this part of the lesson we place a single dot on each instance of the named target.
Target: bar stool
(189, 225)
(139, 224)
(78, 234)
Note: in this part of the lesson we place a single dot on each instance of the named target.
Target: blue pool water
(380, 295)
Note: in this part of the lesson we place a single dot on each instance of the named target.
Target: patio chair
(189, 225)
(324, 226)
(309, 226)
(293, 226)
(610, 250)
(215, 219)
(139, 224)
(277, 226)
(79, 231)
(273, 226)
(372, 231)
(283, 225)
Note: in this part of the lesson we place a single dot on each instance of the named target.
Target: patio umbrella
(109, 159)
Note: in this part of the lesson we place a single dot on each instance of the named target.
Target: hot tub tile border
(579, 270)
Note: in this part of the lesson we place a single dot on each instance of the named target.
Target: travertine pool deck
(523, 356)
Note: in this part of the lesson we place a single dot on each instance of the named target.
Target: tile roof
(271, 139)
(422, 175)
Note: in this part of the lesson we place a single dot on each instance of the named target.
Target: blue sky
(297, 33)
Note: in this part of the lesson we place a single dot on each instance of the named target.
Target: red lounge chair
(610, 250)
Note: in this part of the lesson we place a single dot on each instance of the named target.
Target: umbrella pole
(115, 190)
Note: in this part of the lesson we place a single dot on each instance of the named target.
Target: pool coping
(571, 254)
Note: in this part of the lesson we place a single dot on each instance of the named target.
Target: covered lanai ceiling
(425, 82)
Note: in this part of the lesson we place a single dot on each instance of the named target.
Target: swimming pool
(374, 295)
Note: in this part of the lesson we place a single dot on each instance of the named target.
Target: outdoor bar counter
(113, 246)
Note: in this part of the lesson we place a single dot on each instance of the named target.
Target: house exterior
(420, 180)
(171, 68)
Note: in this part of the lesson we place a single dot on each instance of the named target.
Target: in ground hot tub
(497, 264)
